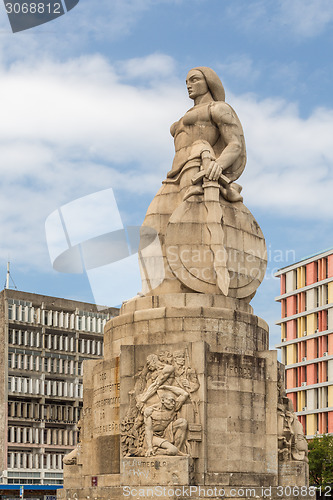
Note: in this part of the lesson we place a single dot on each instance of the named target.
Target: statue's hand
(185, 383)
(150, 452)
(214, 171)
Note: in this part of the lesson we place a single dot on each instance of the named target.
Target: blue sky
(87, 101)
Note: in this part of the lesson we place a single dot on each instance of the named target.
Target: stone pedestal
(215, 348)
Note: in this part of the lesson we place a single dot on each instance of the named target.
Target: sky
(88, 98)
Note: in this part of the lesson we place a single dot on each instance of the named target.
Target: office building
(307, 339)
(43, 343)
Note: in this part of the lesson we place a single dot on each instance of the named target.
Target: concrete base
(232, 414)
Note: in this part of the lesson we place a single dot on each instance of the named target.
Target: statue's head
(201, 80)
(179, 357)
(152, 362)
(168, 400)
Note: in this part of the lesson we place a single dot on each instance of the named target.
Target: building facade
(306, 298)
(43, 343)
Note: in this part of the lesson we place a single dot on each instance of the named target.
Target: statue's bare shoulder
(223, 114)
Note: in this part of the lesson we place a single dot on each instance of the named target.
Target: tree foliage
(321, 460)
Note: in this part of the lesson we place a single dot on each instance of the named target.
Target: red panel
(291, 305)
(311, 273)
(291, 378)
(311, 348)
(330, 421)
(330, 266)
(311, 374)
(291, 329)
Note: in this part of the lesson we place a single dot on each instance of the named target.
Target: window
(316, 271)
(10, 311)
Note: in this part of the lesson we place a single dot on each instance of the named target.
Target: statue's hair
(213, 82)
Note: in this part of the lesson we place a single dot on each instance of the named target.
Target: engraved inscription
(106, 400)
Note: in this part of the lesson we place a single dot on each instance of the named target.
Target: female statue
(206, 233)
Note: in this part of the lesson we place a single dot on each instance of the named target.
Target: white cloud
(74, 128)
(306, 18)
(296, 18)
(151, 67)
(289, 158)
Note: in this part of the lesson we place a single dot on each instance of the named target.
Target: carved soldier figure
(185, 376)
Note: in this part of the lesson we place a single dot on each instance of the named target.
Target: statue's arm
(162, 377)
(179, 392)
(231, 132)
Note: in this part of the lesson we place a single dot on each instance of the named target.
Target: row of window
(305, 301)
(25, 385)
(16, 480)
(29, 435)
(43, 412)
(318, 424)
(34, 362)
(23, 460)
(84, 321)
(306, 350)
(55, 342)
(314, 373)
(313, 399)
(305, 275)
(306, 325)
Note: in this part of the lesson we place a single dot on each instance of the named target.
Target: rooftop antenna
(9, 278)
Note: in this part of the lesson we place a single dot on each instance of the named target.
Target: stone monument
(188, 394)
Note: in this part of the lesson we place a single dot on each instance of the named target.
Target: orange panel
(282, 284)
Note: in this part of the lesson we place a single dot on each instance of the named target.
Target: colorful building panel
(306, 297)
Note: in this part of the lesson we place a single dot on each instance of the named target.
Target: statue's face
(196, 84)
(152, 362)
(169, 402)
(179, 360)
